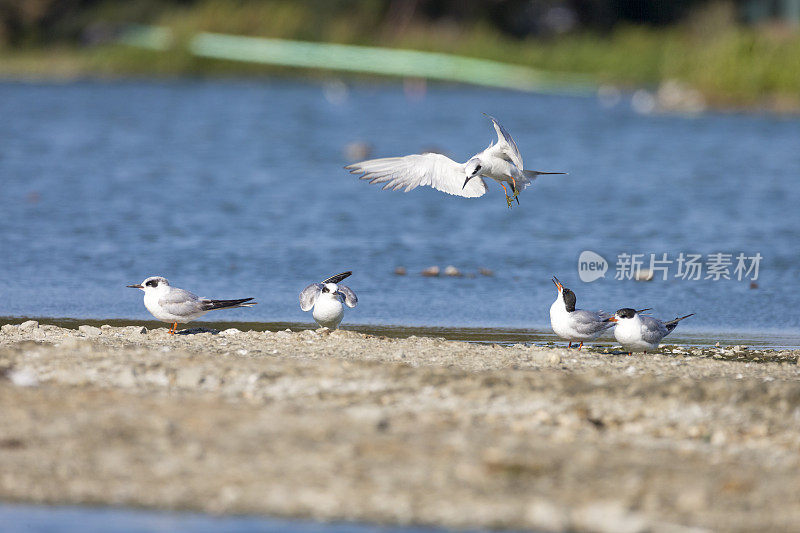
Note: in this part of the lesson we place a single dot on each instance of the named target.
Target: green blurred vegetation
(708, 49)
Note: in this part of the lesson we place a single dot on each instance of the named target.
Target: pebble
(609, 516)
(546, 358)
(547, 516)
(29, 325)
(23, 378)
(189, 377)
(431, 271)
(73, 343)
(90, 331)
(229, 331)
(8, 328)
(126, 378)
(452, 271)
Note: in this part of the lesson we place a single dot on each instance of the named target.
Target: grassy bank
(730, 65)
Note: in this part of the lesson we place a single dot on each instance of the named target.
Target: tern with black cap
(178, 306)
(501, 161)
(639, 333)
(575, 325)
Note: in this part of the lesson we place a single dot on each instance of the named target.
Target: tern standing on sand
(326, 299)
(170, 304)
(575, 325)
(501, 161)
(639, 333)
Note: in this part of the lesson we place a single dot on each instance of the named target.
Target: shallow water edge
(782, 340)
(67, 519)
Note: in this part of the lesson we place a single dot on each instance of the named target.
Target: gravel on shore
(347, 426)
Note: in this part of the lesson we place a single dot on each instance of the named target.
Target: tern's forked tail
(208, 305)
(532, 174)
(673, 323)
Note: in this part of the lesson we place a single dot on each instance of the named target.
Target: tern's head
(330, 288)
(626, 313)
(566, 295)
(153, 283)
(471, 169)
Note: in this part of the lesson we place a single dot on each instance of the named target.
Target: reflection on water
(236, 189)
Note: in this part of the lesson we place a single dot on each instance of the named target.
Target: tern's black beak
(643, 310)
(465, 182)
(135, 286)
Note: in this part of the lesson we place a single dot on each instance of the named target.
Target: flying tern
(501, 161)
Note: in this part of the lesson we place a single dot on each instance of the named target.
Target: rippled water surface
(234, 189)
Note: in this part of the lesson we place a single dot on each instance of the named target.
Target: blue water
(235, 189)
(34, 519)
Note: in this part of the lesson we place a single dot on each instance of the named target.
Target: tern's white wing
(350, 298)
(505, 144)
(309, 295)
(181, 302)
(411, 171)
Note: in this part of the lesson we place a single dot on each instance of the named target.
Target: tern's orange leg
(515, 190)
(579, 347)
(173, 329)
(570, 344)
(509, 200)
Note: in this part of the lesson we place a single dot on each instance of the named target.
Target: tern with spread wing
(638, 333)
(173, 305)
(501, 161)
(575, 325)
(326, 299)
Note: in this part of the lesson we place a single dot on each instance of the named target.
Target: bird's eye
(152, 283)
(477, 168)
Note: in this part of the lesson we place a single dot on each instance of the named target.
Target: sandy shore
(349, 426)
